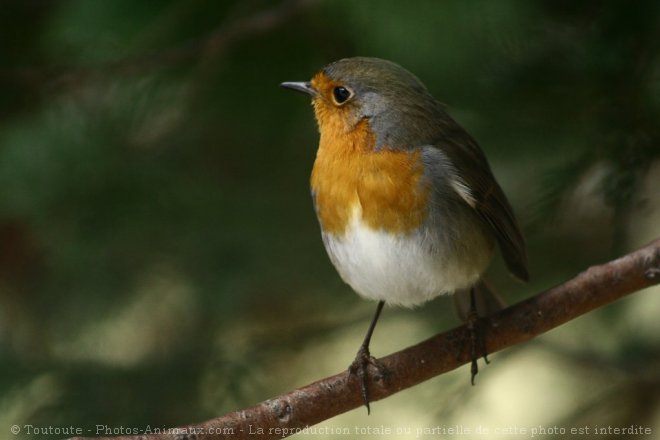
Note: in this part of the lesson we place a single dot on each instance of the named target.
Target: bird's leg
(477, 339)
(363, 359)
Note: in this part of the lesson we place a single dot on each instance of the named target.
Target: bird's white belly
(402, 269)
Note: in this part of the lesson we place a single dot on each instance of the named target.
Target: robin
(408, 206)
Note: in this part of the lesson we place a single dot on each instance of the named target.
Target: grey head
(401, 111)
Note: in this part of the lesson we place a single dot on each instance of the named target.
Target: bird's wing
(476, 185)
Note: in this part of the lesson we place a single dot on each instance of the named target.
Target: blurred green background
(160, 261)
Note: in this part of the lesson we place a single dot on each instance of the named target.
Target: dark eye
(341, 94)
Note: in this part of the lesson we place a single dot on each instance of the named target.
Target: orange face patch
(329, 115)
(349, 173)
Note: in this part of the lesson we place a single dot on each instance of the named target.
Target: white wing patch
(463, 190)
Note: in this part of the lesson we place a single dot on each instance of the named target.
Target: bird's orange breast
(384, 186)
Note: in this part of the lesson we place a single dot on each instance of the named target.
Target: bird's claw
(360, 368)
(477, 343)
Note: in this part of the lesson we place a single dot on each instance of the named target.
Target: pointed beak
(302, 87)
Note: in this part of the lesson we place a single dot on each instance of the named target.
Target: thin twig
(210, 46)
(287, 414)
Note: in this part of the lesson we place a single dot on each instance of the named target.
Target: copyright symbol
(15, 429)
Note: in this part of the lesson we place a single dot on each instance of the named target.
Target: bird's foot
(477, 329)
(360, 368)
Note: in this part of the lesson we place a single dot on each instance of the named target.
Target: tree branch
(286, 414)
